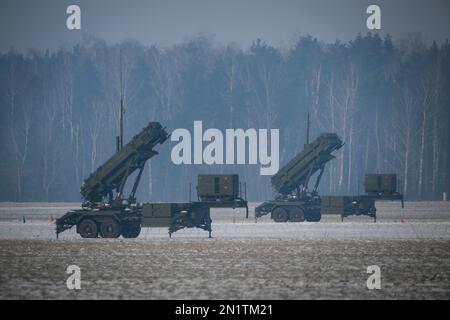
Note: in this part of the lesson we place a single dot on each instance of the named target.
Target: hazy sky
(42, 23)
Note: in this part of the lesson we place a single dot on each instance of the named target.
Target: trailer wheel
(88, 229)
(315, 217)
(110, 229)
(279, 214)
(135, 230)
(296, 214)
(131, 230)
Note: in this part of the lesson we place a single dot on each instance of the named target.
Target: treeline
(389, 101)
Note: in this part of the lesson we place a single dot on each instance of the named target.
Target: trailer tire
(296, 214)
(110, 229)
(88, 229)
(316, 217)
(131, 230)
(279, 214)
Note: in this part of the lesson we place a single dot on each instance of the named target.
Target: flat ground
(244, 260)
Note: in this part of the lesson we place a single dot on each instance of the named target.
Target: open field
(244, 260)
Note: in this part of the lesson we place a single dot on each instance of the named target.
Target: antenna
(190, 186)
(121, 121)
(307, 129)
(119, 138)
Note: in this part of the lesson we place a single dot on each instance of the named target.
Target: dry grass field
(244, 260)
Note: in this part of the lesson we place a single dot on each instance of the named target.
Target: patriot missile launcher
(107, 213)
(295, 202)
(105, 210)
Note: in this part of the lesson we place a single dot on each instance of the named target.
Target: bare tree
(19, 124)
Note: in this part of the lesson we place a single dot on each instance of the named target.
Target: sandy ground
(244, 260)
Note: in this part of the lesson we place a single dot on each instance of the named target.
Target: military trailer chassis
(128, 223)
(101, 223)
(291, 210)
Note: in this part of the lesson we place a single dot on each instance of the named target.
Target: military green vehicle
(295, 202)
(105, 210)
(107, 213)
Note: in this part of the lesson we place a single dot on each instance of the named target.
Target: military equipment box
(348, 205)
(157, 214)
(340, 204)
(334, 204)
(161, 214)
(176, 215)
(380, 183)
(218, 187)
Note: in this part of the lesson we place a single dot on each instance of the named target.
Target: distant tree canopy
(389, 101)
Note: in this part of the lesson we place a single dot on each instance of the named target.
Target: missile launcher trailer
(107, 213)
(295, 201)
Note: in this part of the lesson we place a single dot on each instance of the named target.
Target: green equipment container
(218, 187)
(348, 205)
(157, 214)
(380, 183)
(335, 204)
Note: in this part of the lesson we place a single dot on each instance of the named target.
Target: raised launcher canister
(98, 188)
(295, 202)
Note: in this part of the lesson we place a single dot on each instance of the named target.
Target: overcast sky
(41, 24)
